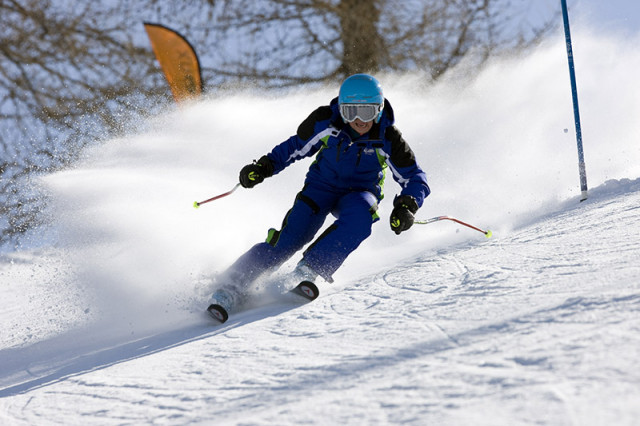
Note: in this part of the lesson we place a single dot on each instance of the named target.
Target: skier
(355, 142)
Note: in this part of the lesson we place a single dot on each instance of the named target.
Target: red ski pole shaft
(197, 204)
(487, 233)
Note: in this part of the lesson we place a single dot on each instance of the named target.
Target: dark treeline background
(73, 73)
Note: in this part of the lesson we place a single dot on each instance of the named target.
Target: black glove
(404, 207)
(253, 174)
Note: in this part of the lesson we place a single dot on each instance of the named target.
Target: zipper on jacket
(341, 139)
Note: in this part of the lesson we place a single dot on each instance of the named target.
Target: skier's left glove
(404, 207)
(254, 173)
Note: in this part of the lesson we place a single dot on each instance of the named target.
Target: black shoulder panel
(307, 128)
(401, 153)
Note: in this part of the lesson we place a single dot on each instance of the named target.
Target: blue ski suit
(346, 179)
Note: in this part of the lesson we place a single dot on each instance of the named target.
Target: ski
(306, 289)
(218, 313)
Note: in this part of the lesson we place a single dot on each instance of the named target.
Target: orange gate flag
(178, 61)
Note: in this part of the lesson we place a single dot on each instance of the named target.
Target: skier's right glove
(254, 173)
(404, 207)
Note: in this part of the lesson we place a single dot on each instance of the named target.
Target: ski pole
(487, 233)
(197, 204)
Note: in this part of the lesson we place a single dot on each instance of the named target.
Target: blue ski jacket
(345, 163)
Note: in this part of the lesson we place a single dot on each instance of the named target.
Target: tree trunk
(362, 44)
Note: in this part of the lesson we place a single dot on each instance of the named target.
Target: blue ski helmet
(362, 89)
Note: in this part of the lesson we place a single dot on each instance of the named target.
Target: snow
(539, 324)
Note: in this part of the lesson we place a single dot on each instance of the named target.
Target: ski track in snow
(538, 325)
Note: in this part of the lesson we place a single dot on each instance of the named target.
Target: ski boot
(220, 305)
(304, 278)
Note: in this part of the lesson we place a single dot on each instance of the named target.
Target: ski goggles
(365, 112)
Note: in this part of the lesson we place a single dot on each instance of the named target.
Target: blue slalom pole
(576, 111)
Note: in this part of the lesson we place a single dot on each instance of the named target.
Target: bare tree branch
(70, 69)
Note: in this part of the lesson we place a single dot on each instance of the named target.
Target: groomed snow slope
(103, 323)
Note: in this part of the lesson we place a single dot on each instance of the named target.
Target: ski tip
(218, 313)
(308, 289)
